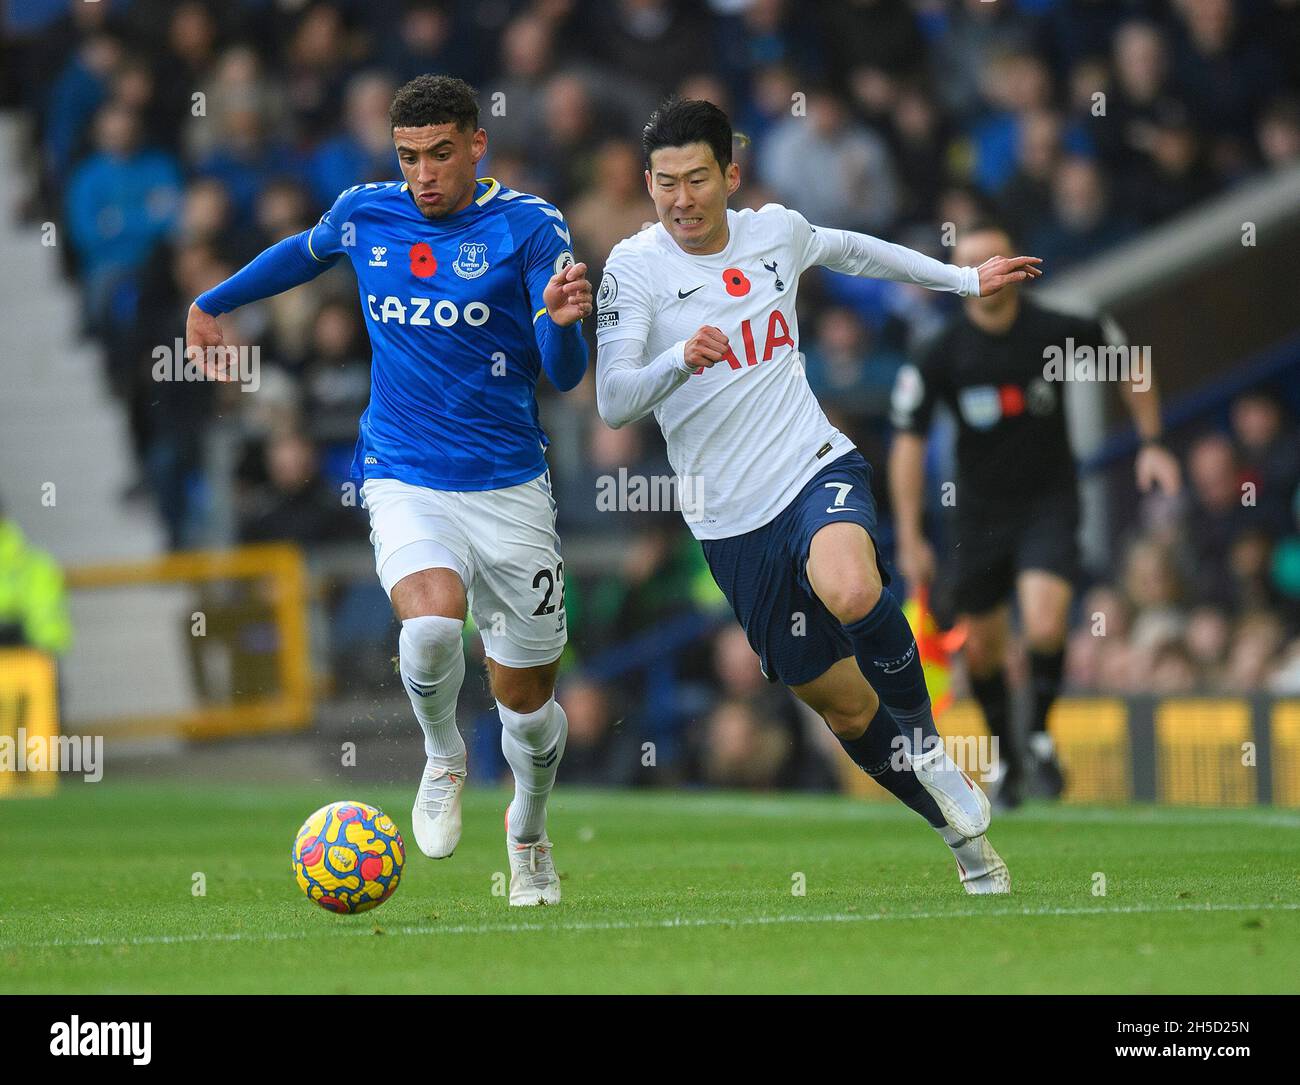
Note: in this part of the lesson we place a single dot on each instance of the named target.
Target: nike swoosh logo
(688, 293)
(842, 508)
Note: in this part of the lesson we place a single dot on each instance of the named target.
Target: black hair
(435, 99)
(679, 121)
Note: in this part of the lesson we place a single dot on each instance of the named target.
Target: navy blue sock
(887, 653)
(1045, 670)
(995, 699)
(875, 752)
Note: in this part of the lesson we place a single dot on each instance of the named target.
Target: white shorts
(502, 544)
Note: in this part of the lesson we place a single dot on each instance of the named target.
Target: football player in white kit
(696, 322)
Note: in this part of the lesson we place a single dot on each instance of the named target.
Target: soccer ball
(348, 857)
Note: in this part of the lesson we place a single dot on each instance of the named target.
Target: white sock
(1042, 746)
(431, 660)
(533, 743)
(951, 836)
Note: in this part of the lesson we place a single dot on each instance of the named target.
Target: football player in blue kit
(470, 291)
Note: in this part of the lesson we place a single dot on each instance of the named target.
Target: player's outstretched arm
(862, 254)
(628, 387)
(284, 265)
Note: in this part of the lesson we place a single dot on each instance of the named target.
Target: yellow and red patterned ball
(348, 857)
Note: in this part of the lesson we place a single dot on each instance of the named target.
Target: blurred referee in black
(1016, 497)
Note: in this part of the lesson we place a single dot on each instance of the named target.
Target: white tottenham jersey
(745, 435)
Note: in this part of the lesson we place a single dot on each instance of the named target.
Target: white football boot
(981, 868)
(532, 871)
(964, 806)
(435, 817)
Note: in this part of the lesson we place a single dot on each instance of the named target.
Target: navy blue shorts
(764, 574)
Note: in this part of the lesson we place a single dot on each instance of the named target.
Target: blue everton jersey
(451, 306)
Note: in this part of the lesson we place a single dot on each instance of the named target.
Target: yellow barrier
(1201, 754)
(1091, 737)
(282, 567)
(28, 710)
(1286, 753)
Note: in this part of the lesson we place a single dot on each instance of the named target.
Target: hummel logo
(546, 760)
(377, 254)
(688, 293)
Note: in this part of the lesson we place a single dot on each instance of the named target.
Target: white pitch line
(675, 922)
(851, 810)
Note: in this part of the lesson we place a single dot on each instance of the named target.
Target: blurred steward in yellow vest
(33, 605)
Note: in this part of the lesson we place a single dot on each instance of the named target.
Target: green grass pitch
(682, 892)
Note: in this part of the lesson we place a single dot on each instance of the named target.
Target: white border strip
(848, 809)
(670, 923)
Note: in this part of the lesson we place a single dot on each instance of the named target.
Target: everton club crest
(472, 261)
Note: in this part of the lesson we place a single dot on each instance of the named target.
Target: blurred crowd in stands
(172, 141)
(1207, 594)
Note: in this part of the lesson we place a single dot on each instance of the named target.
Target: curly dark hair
(435, 99)
(679, 121)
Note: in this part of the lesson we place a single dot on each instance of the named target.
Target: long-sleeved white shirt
(747, 433)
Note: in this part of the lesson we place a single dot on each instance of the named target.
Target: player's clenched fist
(568, 295)
(706, 346)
